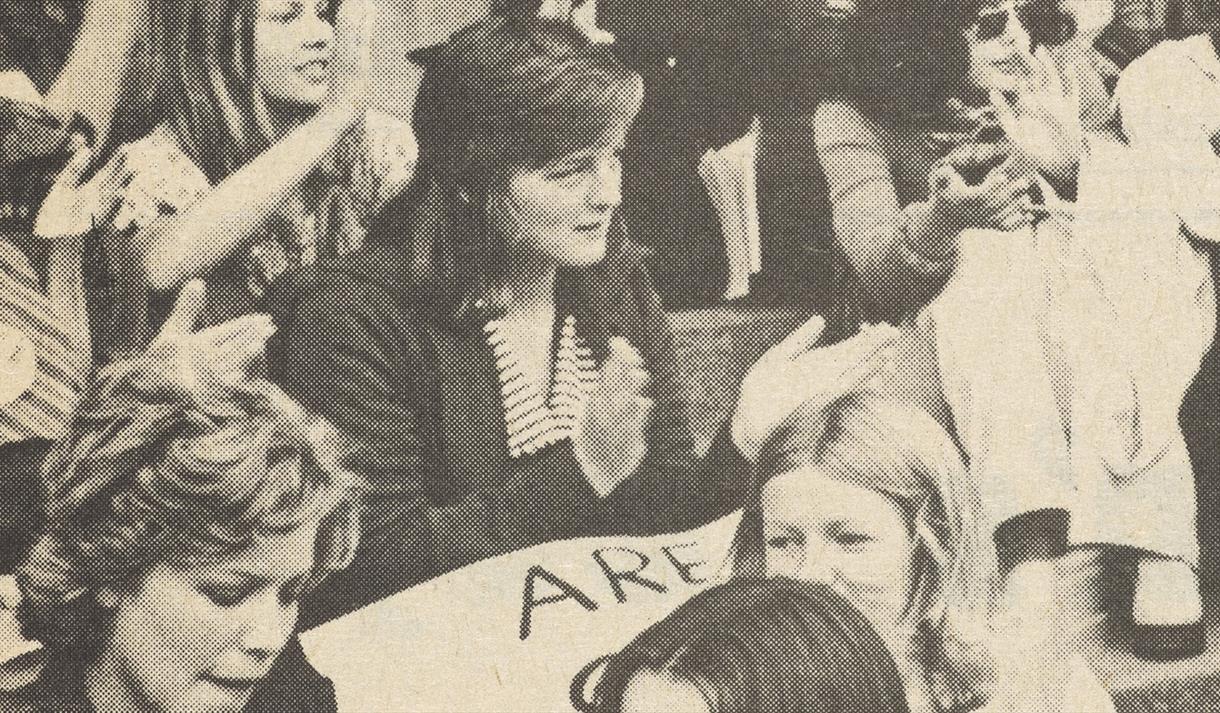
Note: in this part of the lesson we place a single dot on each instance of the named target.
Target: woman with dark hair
(750, 645)
(265, 156)
(187, 515)
(510, 378)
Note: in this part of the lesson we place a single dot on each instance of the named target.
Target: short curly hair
(145, 477)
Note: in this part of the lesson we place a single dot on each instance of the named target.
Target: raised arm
(93, 75)
(903, 255)
(900, 255)
(189, 244)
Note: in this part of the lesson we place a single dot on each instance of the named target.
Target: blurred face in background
(199, 637)
(560, 213)
(1000, 44)
(856, 540)
(293, 44)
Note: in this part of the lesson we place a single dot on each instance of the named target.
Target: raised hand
(612, 436)
(1041, 117)
(74, 205)
(798, 373)
(355, 24)
(210, 365)
(979, 186)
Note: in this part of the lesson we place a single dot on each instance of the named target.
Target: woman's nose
(318, 32)
(817, 568)
(1015, 32)
(607, 190)
(267, 627)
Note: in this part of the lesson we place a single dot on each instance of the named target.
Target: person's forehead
(273, 556)
(650, 690)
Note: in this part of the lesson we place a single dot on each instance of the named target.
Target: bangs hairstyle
(510, 91)
(515, 89)
(208, 89)
(900, 451)
(758, 646)
(144, 479)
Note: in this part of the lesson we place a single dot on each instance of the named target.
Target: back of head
(760, 646)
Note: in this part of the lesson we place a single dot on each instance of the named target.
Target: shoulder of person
(154, 150)
(358, 291)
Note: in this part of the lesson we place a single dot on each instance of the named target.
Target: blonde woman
(860, 490)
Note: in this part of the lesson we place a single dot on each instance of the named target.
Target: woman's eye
(783, 542)
(286, 12)
(225, 595)
(565, 172)
(848, 538)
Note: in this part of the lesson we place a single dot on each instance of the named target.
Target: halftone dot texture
(995, 319)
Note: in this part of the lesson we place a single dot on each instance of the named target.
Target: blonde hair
(893, 447)
(146, 477)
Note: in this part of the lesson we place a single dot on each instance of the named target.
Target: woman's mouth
(590, 227)
(236, 686)
(316, 70)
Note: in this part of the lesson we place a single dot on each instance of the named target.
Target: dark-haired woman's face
(1000, 45)
(293, 43)
(561, 212)
(199, 638)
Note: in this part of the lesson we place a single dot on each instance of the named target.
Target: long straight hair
(900, 451)
(510, 90)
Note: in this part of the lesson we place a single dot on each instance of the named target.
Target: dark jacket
(418, 395)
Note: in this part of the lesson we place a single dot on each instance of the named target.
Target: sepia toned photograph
(609, 356)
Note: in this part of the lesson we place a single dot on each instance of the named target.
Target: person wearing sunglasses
(1087, 407)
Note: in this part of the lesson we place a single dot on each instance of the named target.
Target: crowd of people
(274, 353)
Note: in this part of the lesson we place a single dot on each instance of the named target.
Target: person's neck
(278, 118)
(107, 688)
(529, 286)
(912, 668)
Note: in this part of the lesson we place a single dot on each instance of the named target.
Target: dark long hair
(758, 646)
(510, 90)
(907, 58)
(207, 90)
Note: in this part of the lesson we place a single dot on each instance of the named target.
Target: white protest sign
(511, 633)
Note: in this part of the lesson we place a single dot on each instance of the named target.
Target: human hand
(976, 186)
(798, 372)
(75, 205)
(1041, 117)
(612, 436)
(355, 25)
(210, 365)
